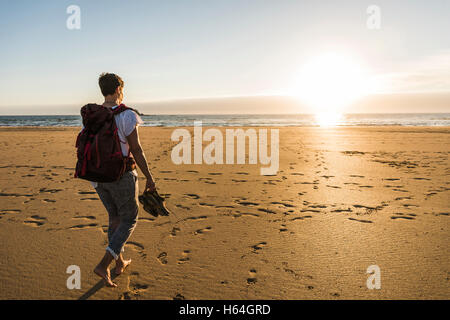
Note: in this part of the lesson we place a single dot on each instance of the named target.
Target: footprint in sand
(391, 186)
(185, 257)
(266, 210)
(35, 221)
(288, 205)
(134, 288)
(174, 231)
(320, 206)
(402, 217)
(407, 205)
(259, 246)
(84, 226)
(351, 183)
(45, 190)
(136, 246)
(192, 195)
(252, 276)
(310, 210)
(360, 220)
(296, 275)
(402, 198)
(162, 258)
(9, 211)
(301, 218)
(342, 210)
(36, 217)
(247, 203)
(245, 214)
(85, 217)
(399, 190)
(206, 204)
(368, 210)
(179, 296)
(87, 192)
(138, 286)
(202, 231)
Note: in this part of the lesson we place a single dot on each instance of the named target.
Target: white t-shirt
(126, 121)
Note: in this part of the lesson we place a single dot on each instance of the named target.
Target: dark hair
(109, 82)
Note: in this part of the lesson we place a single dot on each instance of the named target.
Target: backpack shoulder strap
(122, 108)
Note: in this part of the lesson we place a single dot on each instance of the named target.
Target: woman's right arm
(141, 161)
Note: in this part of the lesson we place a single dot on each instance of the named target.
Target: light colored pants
(120, 199)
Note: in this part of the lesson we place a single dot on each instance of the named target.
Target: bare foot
(121, 265)
(104, 273)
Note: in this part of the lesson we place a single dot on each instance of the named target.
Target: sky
(175, 50)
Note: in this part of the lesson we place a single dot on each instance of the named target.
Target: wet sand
(343, 199)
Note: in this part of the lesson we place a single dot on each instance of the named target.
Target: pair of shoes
(153, 203)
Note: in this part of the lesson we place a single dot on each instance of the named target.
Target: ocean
(303, 120)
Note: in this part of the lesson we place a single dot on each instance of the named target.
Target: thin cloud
(430, 74)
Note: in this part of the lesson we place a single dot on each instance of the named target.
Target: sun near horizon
(328, 82)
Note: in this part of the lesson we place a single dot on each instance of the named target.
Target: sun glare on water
(328, 83)
(328, 119)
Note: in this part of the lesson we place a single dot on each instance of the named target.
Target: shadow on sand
(96, 288)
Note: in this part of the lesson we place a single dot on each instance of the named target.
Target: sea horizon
(250, 120)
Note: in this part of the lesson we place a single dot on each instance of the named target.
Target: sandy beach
(343, 199)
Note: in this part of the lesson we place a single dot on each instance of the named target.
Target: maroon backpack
(99, 153)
